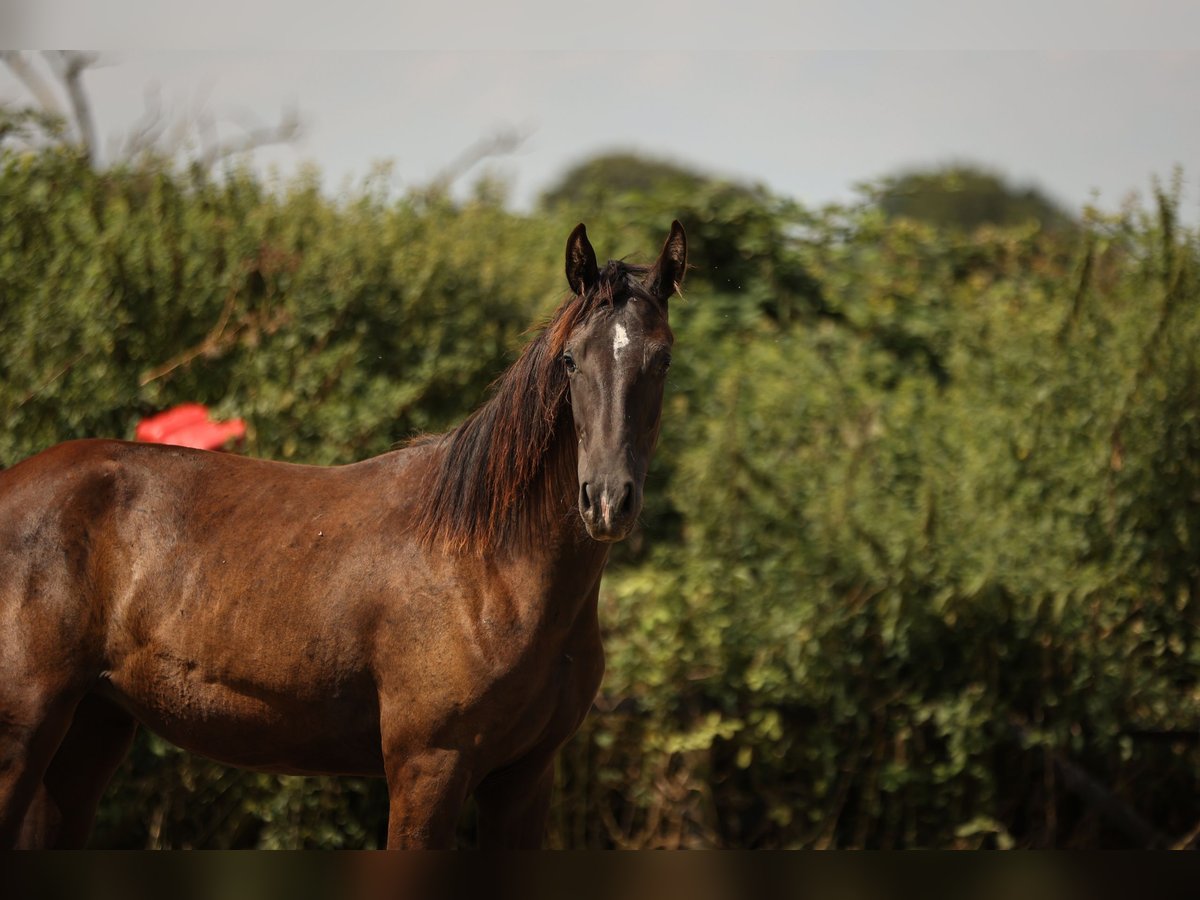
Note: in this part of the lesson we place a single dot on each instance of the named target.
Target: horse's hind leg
(514, 804)
(63, 811)
(32, 725)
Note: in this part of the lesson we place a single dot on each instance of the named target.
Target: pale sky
(809, 124)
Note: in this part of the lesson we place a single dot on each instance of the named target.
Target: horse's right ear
(581, 261)
(667, 273)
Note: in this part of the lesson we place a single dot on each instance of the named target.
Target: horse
(428, 616)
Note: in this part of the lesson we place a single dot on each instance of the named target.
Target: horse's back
(114, 523)
(98, 510)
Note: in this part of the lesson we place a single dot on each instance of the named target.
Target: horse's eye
(569, 362)
(665, 364)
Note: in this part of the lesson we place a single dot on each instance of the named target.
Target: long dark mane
(508, 471)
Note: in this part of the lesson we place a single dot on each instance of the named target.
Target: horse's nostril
(585, 498)
(627, 499)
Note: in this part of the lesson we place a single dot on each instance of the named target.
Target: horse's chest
(548, 700)
(522, 692)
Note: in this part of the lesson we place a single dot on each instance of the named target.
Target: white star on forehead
(620, 340)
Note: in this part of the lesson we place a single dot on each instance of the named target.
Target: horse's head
(617, 359)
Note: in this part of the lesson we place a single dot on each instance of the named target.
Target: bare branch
(1186, 842)
(214, 341)
(58, 373)
(500, 143)
(287, 130)
(156, 132)
(145, 134)
(70, 66)
(23, 69)
(1115, 811)
(206, 128)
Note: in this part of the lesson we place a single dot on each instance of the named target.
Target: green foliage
(967, 197)
(599, 178)
(923, 552)
(21, 125)
(335, 329)
(921, 539)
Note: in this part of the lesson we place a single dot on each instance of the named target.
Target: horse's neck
(566, 581)
(576, 560)
(569, 563)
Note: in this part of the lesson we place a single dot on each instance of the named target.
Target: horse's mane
(508, 472)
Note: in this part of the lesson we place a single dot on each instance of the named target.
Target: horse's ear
(581, 261)
(667, 273)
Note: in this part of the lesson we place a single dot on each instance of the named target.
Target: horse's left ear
(667, 273)
(581, 261)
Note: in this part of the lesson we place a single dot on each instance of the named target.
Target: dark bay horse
(428, 615)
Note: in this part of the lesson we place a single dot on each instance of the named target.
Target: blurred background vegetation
(920, 562)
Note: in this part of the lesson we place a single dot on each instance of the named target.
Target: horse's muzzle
(609, 508)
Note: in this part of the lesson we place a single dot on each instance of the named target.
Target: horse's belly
(255, 725)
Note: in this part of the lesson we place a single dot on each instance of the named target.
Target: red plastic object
(189, 425)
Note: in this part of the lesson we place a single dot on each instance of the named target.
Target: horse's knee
(426, 792)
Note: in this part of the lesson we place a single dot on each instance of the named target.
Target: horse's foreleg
(426, 791)
(514, 804)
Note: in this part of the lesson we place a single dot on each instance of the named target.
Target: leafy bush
(920, 557)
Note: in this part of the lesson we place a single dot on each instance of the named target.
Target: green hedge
(920, 558)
